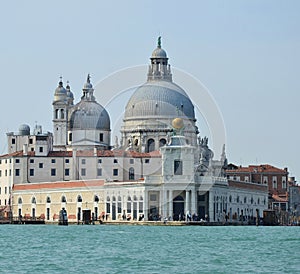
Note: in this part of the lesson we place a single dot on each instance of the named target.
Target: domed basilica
(162, 169)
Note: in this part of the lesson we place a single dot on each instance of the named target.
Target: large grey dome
(89, 115)
(159, 99)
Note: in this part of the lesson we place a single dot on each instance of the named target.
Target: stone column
(187, 201)
(161, 197)
(145, 205)
(193, 203)
(164, 204)
(170, 204)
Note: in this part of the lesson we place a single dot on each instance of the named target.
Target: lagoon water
(148, 249)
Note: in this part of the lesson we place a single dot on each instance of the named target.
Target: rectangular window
(70, 137)
(99, 172)
(265, 180)
(246, 178)
(0, 173)
(31, 172)
(41, 165)
(153, 197)
(67, 161)
(101, 137)
(30, 141)
(5, 172)
(83, 172)
(0, 190)
(115, 161)
(67, 172)
(17, 161)
(83, 161)
(274, 182)
(53, 172)
(131, 161)
(115, 172)
(31, 161)
(147, 161)
(13, 141)
(53, 161)
(177, 167)
(283, 180)
(99, 161)
(41, 149)
(5, 190)
(10, 172)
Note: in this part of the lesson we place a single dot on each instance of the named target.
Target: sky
(246, 54)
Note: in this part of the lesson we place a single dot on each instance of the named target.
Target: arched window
(56, 114)
(114, 198)
(96, 199)
(119, 205)
(63, 199)
(79, 199)
(162, 142)
(150, 145)
(33, 200)
(134, 198)
(131, 173)
(62, 114)
(108, 199)
(48, 200)
(141, 198)
(20, 201)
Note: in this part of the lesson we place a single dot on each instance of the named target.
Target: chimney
(25, 149)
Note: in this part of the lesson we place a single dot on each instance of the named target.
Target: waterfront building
(161, 169)
(276, 179)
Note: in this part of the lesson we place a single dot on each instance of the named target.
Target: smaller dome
(88, 84)
(69, 92)
(60, 90)
(60, 93)
(24, 129)
(159, 53)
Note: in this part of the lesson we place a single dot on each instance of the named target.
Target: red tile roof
(64, 184)
(247, 185)
(265, 168)
(280, 199)
(17, 154)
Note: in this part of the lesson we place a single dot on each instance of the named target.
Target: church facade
(162, 168)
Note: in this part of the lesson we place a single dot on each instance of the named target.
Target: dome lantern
(159, 68)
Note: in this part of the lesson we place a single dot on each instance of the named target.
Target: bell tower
(63, 99)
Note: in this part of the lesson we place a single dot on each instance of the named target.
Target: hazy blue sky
(247, 53)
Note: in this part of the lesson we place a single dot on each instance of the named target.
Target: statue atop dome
(159, 42)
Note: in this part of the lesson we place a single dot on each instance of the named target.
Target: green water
(149, 249)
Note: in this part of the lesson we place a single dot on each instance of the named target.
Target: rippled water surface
(149, 249)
